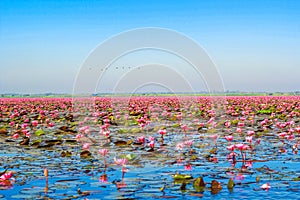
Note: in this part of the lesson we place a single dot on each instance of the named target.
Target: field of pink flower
(150, 147)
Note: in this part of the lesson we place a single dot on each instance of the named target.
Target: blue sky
(255, 44)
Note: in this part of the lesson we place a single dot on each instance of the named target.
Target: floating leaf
(182, 177)
(216, 187)
(135, 130)
(85, 154)
(296, 179)
(25, 141)
(3, 131)
(129, 157)
(175, 125)
(199, 184)
(212, 130)
(120, 143)
(39, 132)
(123, 131)
(36, 142)
(71, 141)
(66, 154)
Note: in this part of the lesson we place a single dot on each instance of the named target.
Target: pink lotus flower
(162, 131)
(291, 130)
(229, 138)
(87, 131)
(250, 133)
(241, 124)
(239, 177)
(184, 127)
(11, 124)
(141, 139)
(242, 118)
(239, 130)
(16, 136)
(121, 161)
(283, 134)
(105, 126)
(249, 164)
(106, 133)
(34, 123)
(214, 137)
(265, 186)
(78, 136)
(103, 152)
(242, 147)
(6, 176)
(188, 167)
(151, 138)
(179, 146)
(24, 126)
(50, 124)
(86, 146)
(231, 157)
(227, 124)
(249, 139)
(142, 125)
(290, 137)
(210, 120)
(231, 147)
(188, 143)
(106, 121)
(151, 144)
(103, 178)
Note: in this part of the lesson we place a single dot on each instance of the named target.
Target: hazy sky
(254, 44)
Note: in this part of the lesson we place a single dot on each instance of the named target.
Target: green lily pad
(129, 157)
(39, 132)
(182, 177)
